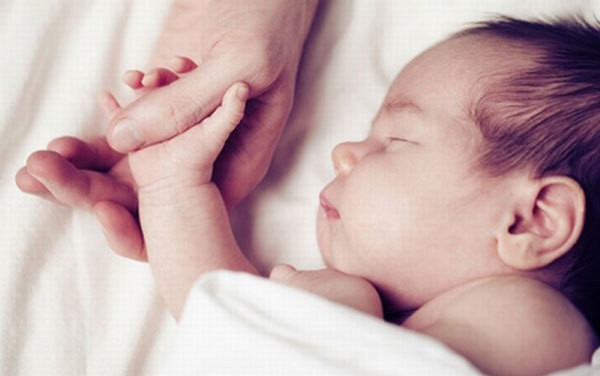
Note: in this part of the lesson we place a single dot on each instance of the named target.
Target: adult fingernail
(126, 136)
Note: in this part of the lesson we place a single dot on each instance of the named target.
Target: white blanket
(236, 323)
(68, 306)
(239, 324)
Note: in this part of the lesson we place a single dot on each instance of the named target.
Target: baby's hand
(187, 159)
(336, 286)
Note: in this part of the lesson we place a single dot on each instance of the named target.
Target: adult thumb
(168, 111)
(121, 229)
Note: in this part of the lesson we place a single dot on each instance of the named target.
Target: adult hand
(89, 175)
(258, 42)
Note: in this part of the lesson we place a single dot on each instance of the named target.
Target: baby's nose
(344, 157)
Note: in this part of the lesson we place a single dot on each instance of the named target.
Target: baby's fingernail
(242, 92)
(126, 136)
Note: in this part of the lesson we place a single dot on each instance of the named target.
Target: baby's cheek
(377, 214)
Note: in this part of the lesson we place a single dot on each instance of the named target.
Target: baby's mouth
(330, 211)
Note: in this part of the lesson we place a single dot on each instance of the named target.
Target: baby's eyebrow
(402, 105)
(396, 106)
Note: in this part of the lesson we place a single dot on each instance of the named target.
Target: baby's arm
(187, 233)
(185, 220)
(182, 214)
(349, 290)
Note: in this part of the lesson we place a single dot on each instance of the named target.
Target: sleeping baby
(469, 213)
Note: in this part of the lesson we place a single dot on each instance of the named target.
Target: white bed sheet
(68, 306)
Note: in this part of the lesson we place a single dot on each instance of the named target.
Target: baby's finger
(133, 79)
(121, 229)
(94, 155)
(108, 104)
(74, 187)
(227, 116)
(282, 273)
(159, 77)
(182, 64)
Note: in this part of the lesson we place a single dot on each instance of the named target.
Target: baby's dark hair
(545, 115)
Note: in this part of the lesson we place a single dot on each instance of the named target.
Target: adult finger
(121, 229)
(28, 183)
(74, 187)
(168, 111)
(95, 154)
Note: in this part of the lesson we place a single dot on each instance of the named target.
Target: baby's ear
(543, 224)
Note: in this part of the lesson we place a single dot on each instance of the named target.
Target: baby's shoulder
(514, 324)
(500, 300)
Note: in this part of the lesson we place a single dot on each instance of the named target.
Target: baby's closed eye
(400, 140)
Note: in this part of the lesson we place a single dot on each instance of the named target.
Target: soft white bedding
(236, 323)
(68, 306)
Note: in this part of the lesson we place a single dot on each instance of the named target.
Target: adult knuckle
(265, 60)
(188, 110)
(197, 109)
(172, 114)
(269, 66)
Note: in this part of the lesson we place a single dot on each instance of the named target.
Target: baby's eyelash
(401, 139)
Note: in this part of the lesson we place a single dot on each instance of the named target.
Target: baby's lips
(330, 210)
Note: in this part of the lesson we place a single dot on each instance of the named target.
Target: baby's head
(483, 160)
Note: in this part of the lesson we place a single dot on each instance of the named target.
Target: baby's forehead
(448, 79)
(438, 82)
